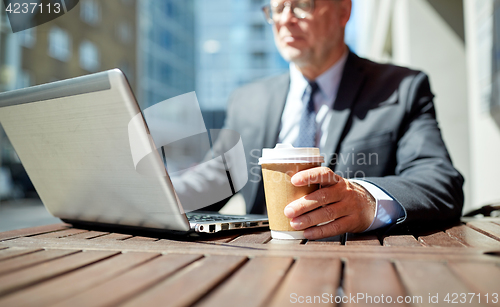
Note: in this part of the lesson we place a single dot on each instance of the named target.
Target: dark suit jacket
(383, 129)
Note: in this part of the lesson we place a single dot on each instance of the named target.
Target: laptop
(72, 137)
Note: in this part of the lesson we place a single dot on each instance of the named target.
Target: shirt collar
(328, 81)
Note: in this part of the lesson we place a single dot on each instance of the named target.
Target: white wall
(484, 129)
(422, 39)
(411, 33)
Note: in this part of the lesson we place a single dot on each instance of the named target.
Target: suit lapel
(276, 104)
(352, 80)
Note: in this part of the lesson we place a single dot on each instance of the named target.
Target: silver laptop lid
(72, 137)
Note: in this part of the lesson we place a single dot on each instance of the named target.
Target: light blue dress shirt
(387, 210)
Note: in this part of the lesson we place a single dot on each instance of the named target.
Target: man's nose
(287, 15)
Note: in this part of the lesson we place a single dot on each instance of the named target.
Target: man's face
(311, 40)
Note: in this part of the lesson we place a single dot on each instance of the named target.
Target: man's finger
(325, 214)
(316, 199)
(334, 228)
(317, 175)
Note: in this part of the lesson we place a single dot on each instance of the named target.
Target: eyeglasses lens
(300, 9)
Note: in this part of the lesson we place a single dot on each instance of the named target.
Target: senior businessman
(386, 163)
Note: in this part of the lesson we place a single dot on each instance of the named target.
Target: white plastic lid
(286, 153)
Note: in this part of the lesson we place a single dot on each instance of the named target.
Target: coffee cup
(279, 164)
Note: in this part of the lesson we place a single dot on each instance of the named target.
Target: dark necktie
(307, 131)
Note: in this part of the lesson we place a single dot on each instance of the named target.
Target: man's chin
(293, 55)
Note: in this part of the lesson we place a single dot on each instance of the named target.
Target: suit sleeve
(425, 182)
(207, 183)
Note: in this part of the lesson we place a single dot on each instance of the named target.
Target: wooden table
(58, 265)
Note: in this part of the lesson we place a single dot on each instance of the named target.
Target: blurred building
(166, 49)
(234, 45)
(166, 65)
(94, 36)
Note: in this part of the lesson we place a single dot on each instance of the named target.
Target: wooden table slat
(29, 276)
(61, 233)
(440, 239)
(140, 238)
(326, 241)
(175, 243)
(86, 235)
(372, 278)
(258, 237)
(472, 237)
(424, 278)
(112, 236)
(252, 285)
(488, 228)
(402, 240)
(186, 287)
(49, 292)
(12, 252)
(308, 277)
(362, 240)
(7, 235)
(135, 281)
(483, 219)
(219, 239)
(484, 278)
(28, 260)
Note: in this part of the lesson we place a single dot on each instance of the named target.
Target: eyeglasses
(300, 9)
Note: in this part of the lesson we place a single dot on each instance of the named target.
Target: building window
(169, 9)
(27, 38)
(125, 32)
(211, 46)
(89, 56)
(258, 31)
(90, 12)
(259, 60)
(59, 44)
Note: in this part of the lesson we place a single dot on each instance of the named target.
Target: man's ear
(345, 7)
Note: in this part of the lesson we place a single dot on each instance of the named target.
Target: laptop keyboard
(211, 218)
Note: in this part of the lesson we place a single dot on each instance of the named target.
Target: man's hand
(343, 205)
